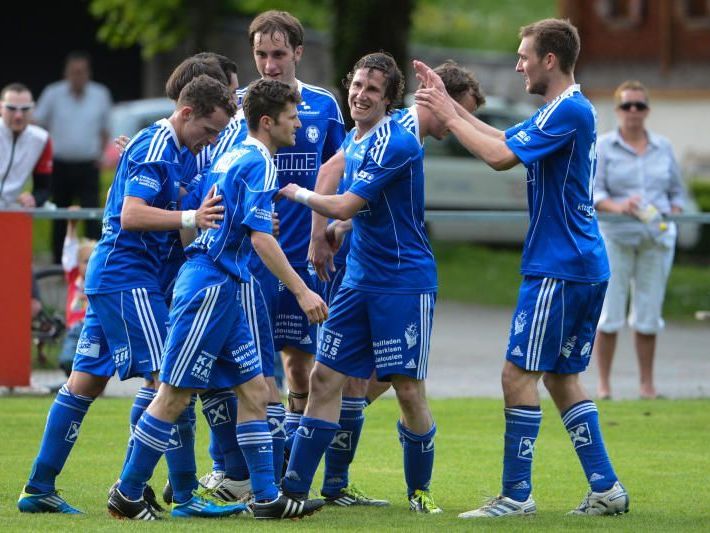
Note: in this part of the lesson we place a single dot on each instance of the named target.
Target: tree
(364, 26)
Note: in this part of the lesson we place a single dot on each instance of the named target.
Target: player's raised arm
(340, 206)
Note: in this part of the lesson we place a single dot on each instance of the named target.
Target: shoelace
(352, 490)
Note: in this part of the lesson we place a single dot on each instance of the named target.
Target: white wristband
(303, 195)
(188, 219)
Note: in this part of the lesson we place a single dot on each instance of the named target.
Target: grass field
(659, 449)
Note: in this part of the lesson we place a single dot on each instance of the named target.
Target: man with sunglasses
(637, 175)
(24, 149)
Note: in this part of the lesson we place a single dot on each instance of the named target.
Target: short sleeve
(145, 181)
(384, 163)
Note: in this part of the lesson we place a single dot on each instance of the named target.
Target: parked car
(128, 118)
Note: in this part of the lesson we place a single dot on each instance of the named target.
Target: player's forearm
(477, 123)
(271, 254)
(136, 215)
(492, 150)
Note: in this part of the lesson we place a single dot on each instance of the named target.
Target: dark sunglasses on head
(640, 106)
(24, 107)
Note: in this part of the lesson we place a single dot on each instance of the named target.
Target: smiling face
(274, 57)
(198, 132)
(532, 67)
(366, 97)
(17, 110)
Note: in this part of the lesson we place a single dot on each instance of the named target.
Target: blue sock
(522, 424)
(60, 433)
(293, 420)
(582, 423)
(311, 440)
(341, 451)
(220, 410)
(255, 443)
(150, 440)
(276, 416)
(141, 402)
(180, 455)
(418, 457)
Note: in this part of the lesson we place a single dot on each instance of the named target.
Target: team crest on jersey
(342, 441)
(73, 431)
(521, 321)
(580, 435)
(312, 134)
(526, 448)
(569, 345)
(411, 334)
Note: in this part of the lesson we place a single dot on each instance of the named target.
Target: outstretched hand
(288, 192)
(427, 77)
(210, 213)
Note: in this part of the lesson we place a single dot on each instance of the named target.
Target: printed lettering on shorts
(246, 357)
(88, 346)
(288, 326)
(329, 343)
(202, 367)
(121, 355)
(388, 352)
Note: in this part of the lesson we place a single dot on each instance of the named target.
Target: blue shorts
(259, 322)
(209, 345)
(554, 325)
(291, 327)
(123, 332)
(330, 288)
(388, 333)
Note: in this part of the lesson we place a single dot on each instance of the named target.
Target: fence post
(15, 320)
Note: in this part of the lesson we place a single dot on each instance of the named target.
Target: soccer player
(209, 345)
(381, 317)
(124, 327)
(463, 87)
(276, 38)
(564, 266)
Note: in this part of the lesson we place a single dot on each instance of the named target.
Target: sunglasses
(640, 106)
(24, 108)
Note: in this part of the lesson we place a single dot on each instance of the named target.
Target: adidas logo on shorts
(411, 364)
(517, 352)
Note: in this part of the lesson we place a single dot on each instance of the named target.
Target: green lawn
(659, 449)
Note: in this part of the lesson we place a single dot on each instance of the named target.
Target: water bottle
(654, 220)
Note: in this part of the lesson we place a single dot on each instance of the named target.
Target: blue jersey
(389, 248)
(149, 169)
(557, 145)
(320, 136)
(246, 178)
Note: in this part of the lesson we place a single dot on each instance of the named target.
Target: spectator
(76, 112)
(75, 257)
(24, 149)
(637, 174)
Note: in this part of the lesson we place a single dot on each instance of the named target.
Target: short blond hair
(630, 85)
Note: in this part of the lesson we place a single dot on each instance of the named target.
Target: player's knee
(410, 394)
(82, 384)
(322, 385)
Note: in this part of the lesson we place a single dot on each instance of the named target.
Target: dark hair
(205, 94)
(386, 64)
(555, 36)
(188, 70)
(15, 87)
(77, 55)
(228, 66)
(460, 81)
(273, 21)
(267, 97)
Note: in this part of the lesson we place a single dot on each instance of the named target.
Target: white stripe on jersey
(151, 333)
(157, 144)
(542, 118)
(383, 134)
(327, 93)
(197, 329)
(539, 323)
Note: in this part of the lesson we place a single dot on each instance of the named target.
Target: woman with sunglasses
(637, 175)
